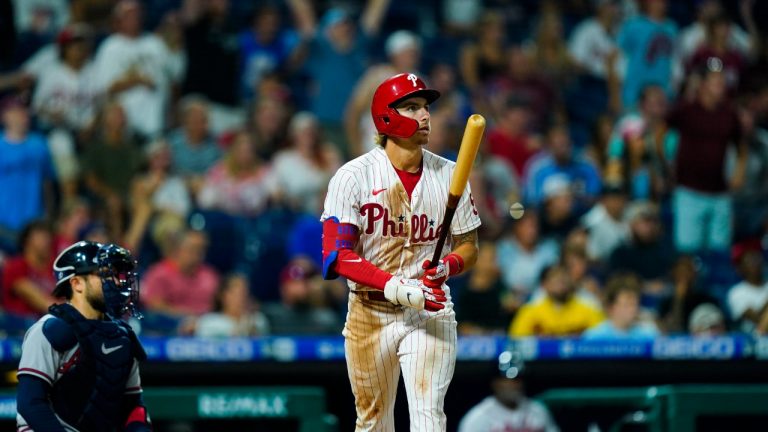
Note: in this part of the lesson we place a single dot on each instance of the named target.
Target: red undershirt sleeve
(353, 267)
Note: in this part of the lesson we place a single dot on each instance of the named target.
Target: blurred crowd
(201, 135)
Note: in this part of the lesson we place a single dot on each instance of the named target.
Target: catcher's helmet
(113, 264)
(389, 93)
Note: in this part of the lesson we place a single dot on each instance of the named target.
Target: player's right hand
(434, 298)
(413, 293)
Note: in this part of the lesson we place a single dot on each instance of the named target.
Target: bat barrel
(473, 134)
(470, 143)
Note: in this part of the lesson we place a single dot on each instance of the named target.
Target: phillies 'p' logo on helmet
(389, 93)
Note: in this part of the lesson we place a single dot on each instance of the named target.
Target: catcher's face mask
(119, 281)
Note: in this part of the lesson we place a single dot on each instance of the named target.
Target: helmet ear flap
(400, 126)
(391, 123)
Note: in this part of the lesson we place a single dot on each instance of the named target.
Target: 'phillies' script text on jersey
(422, 226)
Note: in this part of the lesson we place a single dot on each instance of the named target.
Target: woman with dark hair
(485, 56)
(303, 169)
(235, 312)
(241, 184)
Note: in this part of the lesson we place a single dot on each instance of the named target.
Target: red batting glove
(436, 276)
(434, 299)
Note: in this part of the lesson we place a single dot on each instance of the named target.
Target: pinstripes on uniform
(397, 234)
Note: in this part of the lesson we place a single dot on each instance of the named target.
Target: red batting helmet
(393, 90)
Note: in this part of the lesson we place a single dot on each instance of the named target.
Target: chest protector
(89, 394)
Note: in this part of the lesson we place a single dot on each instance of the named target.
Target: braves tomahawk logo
(423, 227)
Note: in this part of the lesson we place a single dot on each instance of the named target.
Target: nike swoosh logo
(107, 351)
(354, 261)
(377, 191)
(409, 297)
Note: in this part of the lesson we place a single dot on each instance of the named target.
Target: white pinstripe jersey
(396, 234)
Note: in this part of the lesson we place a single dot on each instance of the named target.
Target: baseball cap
(641, 209)
(704, 317)
(613, 188)
(297, 270)
(400, 41)
(333, 16)
(556, 185)
(12, 101)
(73, 32)
(740, 249)
(300, 121)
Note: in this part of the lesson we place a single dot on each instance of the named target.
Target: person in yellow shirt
(558, 312)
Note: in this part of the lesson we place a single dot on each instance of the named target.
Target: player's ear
(77, 283)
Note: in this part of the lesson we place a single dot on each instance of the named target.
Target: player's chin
(421, 138)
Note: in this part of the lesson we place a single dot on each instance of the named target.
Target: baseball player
(508, 409)
(79, 363)
(381, 221)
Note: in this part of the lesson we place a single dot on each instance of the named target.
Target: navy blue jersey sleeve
(32, 404)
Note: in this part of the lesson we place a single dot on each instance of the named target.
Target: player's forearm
(466, 246)
(739, 173)
(468, 253)
(32, 295)
(32, 404)
(373, 15)
(137, 419)
(353, 267)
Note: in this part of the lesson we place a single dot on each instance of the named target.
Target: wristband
(455, 263)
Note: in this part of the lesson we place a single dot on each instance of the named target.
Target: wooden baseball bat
(470, 142)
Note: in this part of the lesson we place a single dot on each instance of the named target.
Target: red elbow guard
(339, 257)
(336, 236)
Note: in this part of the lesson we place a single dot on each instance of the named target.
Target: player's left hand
(436, 276)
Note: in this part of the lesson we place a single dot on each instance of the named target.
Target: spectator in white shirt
(138, 68)
(748, 300)
(605, 223)
(66, 94)
(234, 314)
(303, 169)
(522, 254)
(592, 44)
(693, 36)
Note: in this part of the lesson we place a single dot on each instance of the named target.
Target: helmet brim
(430, 95)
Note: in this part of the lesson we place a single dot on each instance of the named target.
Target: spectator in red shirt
(702, 204)
(27, 281)
(524, 79)
(510, 138)
(716, 48)
(181, 284)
